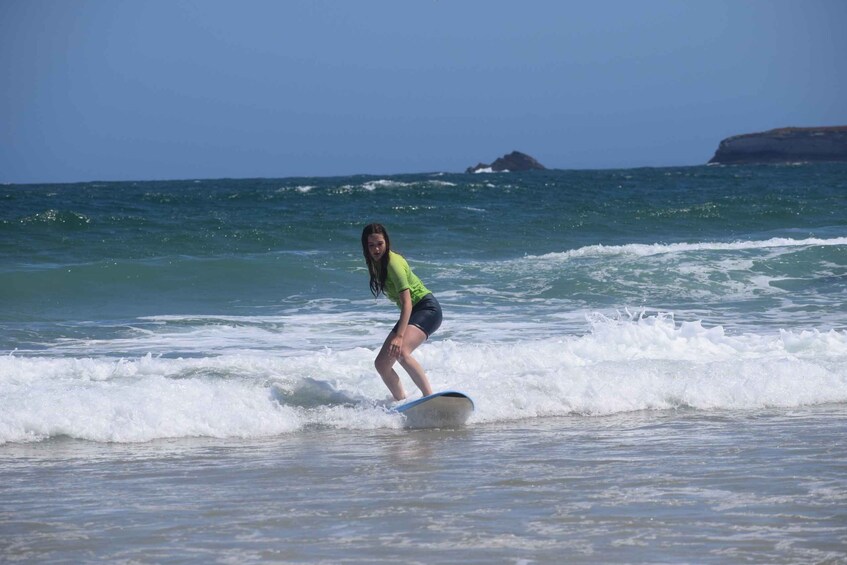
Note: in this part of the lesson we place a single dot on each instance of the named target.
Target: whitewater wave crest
(623, 364)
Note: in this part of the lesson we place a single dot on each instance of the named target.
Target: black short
(426, 315)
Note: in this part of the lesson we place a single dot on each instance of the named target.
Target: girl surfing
(420, 313)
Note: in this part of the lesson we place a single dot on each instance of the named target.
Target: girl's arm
(405, 312)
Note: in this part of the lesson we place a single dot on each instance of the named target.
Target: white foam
(149, 398)
(648, 249)
(625, 364)
(712, 272)
(653, 363)
(377, 184)
(312, 328)
(384, 183)
(300, 188)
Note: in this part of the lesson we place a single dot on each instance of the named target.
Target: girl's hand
(396, 347)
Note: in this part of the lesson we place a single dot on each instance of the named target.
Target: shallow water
(768, 486)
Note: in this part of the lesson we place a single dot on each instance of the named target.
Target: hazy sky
(120, 90)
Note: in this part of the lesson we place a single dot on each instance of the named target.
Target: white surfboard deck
(440, 410)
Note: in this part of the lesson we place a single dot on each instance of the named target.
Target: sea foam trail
(653, 364)
(648, 363)
(647, 249)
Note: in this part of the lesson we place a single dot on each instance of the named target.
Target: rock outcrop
(513, 162)
(784, 145)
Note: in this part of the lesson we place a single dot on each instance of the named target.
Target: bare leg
(384, 364)
(414, 337)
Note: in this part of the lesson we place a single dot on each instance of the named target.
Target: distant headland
(784, 145)
(513, 162)
(781, 145)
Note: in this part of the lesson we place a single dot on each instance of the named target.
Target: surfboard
(440, 410)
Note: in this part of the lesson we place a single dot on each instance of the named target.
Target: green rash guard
(400, 277)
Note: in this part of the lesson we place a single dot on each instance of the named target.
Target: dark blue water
(104, 251)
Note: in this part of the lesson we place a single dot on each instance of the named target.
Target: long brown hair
(378, 271)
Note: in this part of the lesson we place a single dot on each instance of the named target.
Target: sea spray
(644, 362)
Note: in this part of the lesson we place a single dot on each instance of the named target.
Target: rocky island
(784, 145)
(513, 162)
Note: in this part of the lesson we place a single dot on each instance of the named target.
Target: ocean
(658, 359)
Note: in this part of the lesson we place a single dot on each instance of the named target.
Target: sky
(166, 89)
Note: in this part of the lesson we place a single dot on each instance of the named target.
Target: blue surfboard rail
(446, 393)
(446, 409)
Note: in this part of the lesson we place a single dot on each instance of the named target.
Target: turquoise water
(757, 246)
(235, 316)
